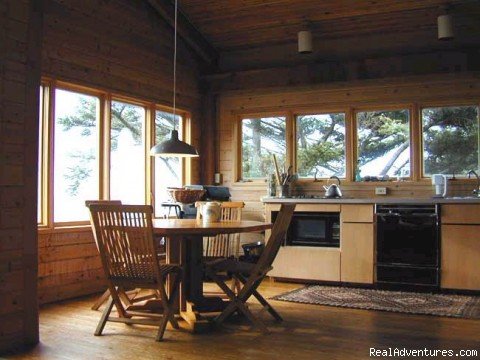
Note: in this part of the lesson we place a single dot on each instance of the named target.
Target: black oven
(313, 229)
(408, 245)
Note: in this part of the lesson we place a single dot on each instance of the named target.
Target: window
(75, 154)
(262, 138)
(321, 145)
(383, 143)
(450, 139)
(168, 171)
(127, 153)
(97, 154)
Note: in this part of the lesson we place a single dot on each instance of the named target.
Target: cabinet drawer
(307, 263)
(461, 214)
(357, 213)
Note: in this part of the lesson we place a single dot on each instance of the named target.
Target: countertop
(375, 200)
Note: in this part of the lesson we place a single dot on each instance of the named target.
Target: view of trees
(321, 145)
(260, 139)
(383, 143)
(124, 116)
(76, 170)
(450, 143)
(450, 139)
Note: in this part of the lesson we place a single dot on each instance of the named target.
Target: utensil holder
(285, 190)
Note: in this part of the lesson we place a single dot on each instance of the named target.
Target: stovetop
(304, 196)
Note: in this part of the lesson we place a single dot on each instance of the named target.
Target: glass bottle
(358, 177)
(272, 186)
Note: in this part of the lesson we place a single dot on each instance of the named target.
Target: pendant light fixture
(174, 147)
(305, 43)
(445, 26)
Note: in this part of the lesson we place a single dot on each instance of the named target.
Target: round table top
(197, 227)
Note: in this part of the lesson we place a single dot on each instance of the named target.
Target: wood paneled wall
(124, 47)
(340, 95)
(20, 39)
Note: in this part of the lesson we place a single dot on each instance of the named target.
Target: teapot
(211, 211)
(333, 190)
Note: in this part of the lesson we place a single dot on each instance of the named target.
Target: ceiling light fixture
(174, 147)
(445, 27)
(305, 43)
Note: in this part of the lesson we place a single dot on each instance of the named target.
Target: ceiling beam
(185, 29)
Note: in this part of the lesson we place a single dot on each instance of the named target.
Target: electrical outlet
(380, 191)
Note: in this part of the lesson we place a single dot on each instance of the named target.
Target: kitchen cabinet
(357, 244)
(354, 261)
(460, 247)
(306, 262)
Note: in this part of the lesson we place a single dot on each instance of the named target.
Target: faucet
(476, 191)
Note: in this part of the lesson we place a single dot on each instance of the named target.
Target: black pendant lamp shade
(173, 148)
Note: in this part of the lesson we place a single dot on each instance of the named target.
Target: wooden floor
(308, 332)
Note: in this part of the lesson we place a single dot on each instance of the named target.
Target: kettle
(333, 190)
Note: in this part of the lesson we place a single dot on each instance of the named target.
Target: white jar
(211, 212)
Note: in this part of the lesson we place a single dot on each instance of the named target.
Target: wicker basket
(186, 196)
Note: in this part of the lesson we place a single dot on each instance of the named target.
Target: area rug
(460, 306)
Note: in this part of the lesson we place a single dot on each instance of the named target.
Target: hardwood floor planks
(308, 332)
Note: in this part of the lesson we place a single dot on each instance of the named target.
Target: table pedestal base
(197, 313)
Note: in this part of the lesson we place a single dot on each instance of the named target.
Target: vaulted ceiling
(234, 25)
(249, 34)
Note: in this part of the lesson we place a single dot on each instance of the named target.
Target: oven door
(407, 239)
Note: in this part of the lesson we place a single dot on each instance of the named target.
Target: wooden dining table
(185, 246)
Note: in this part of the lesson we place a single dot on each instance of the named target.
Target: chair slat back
(277, 236)
(125, 240)
(223, 245)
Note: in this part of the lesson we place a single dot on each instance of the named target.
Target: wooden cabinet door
(460, 257)
(357, 253)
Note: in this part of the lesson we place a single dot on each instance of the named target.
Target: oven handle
(397, 215)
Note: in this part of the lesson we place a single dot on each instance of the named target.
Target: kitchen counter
(375, 200)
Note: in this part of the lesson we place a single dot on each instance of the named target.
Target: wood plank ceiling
(259, 33)
(246, 24)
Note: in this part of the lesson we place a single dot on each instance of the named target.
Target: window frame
(327, 111)
(387, 107)
(46, 141)
(238, 158)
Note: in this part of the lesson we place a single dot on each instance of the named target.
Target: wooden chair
(223, 245)
(130, 259)
(251, 275)
(104, 297)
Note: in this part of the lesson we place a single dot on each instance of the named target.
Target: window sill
(65, 229)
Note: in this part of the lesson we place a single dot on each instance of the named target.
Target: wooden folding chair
(104, 297)
(251, 275)
(130, 259)
(222, 245)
